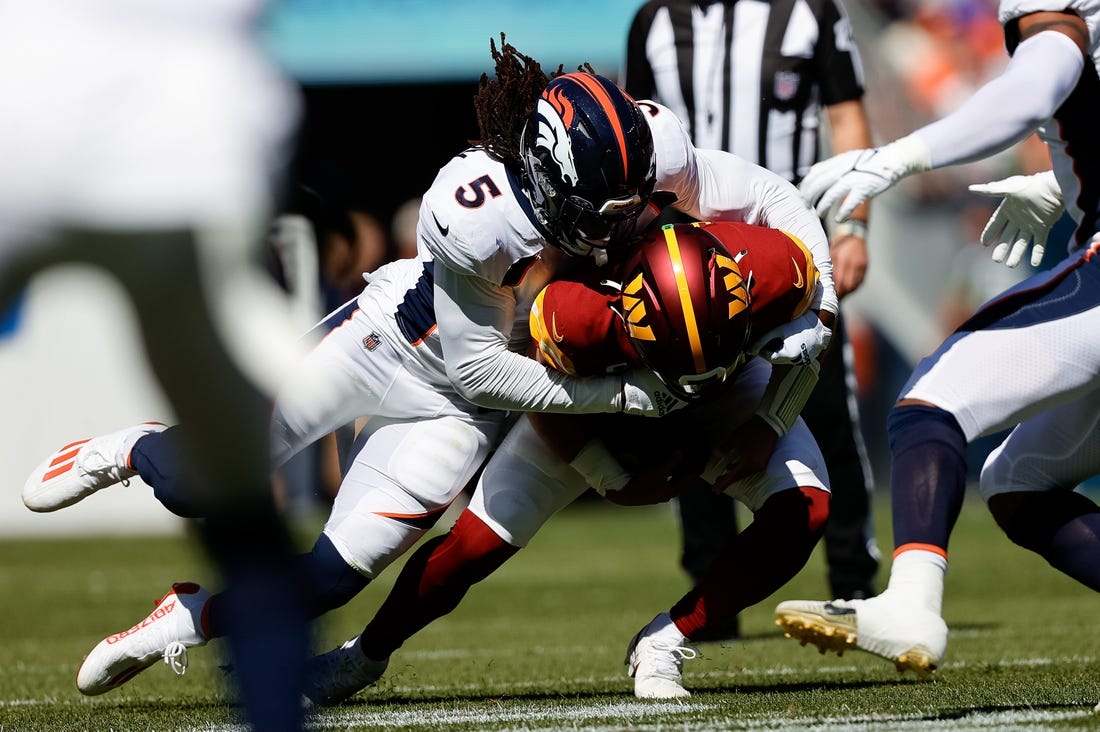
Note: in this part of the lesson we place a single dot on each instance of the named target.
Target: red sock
(755, 563)
(434, 581)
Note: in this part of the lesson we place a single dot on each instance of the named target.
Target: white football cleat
(913, 638)
(81, 468)
(655, 660)
(166, 633)
(340, 674)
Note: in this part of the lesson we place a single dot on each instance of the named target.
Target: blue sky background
(395, 41)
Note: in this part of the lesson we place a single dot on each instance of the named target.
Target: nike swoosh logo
(558, 337)
(832, 609)
(798, 270)
(444, 229)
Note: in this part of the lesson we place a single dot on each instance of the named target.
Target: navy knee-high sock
(158, 459)
(332, 581)
(928, 476)
(327, 580)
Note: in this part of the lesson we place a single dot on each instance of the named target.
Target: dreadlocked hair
(504, 104)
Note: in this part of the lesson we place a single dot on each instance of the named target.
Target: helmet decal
(734, 284)
(634, 309)
(561, 104)
(599, 93)
(553, 136)
(588, 162)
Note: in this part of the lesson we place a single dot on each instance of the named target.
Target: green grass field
(540, 644)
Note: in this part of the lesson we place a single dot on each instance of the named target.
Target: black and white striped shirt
(745, 75)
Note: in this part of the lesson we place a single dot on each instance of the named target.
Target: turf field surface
(540, 644)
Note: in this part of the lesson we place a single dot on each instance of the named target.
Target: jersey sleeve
(837, 60)
(475, 318)
(714, 185)
(1089, 10)
(577, 329)
(778, 270)
(472, 220)
(1041, 74)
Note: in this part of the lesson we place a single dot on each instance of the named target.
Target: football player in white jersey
(690, 298)
(144, 138)
(1030, 357)
(431, 349)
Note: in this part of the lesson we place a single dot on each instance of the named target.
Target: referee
(752, 77)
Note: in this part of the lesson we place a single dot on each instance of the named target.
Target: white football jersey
(476, 221)
(1071, 134)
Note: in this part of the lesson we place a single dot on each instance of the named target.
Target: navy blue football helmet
(589, 167)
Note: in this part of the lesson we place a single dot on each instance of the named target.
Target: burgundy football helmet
(686, 308)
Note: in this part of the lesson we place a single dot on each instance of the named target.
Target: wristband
(851, 227)
(599, 468)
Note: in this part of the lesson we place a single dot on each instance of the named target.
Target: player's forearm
(500, 379)
(475, 320)
(732, 188)
(1042, 73)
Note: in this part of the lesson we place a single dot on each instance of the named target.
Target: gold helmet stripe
(690, 324)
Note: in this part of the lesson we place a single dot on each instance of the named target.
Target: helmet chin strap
(600, 255)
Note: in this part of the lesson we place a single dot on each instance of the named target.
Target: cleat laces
(670, 660)
(175, 656)
(95, 462)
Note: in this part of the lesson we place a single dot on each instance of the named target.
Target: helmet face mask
(686, 308)
(693, 386)
(589, 168)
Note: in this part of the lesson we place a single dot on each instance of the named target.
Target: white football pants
(419, 448)
(524, 483)
(1032, 359)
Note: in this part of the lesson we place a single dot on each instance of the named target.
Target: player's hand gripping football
(745, 453)
(852, 177)
(1030, 207)
(655, 484)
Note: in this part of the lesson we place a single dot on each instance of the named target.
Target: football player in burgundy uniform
(688, 304)
(434, 350)
(1030, 357)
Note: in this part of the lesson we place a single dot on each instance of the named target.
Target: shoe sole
(682, 694)
(115, 681)
(826, 636)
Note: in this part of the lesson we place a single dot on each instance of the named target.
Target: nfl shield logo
(786, 85)
(372, 341)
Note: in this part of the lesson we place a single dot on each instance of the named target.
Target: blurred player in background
(431, 349)
(1029, 357)
(146, 137)
(686, 303)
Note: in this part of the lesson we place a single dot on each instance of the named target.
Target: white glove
(646, 395)
(798, 342)
(854, 176)
(1032, 204)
